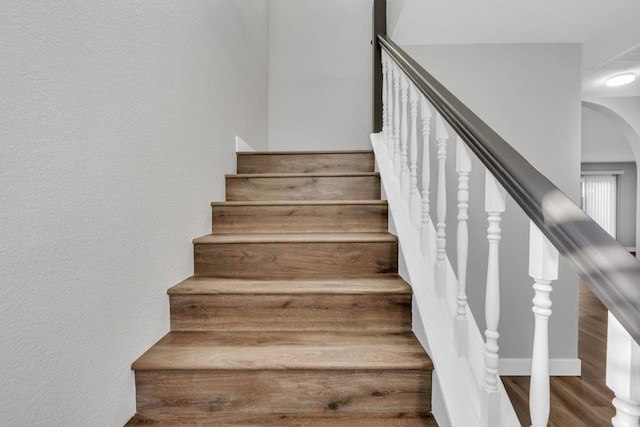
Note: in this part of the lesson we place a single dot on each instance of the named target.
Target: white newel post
(396, 119)
(413, 154)
(385, 129)
(463, 169)
(425, 228)
(404, 138)
(543, 268)
(442, 135)
(623, 374)
(495, 199)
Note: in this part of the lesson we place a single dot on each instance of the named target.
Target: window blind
(599, 199)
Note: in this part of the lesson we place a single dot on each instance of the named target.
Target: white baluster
(463, 169)
(404, 137)
(385, 129)
(390, 108)
(627, 413)
(413, 182)
(396, 119)
(426, 239)
(543, 268)
(442, 135)
(495, 199)
(623, 374)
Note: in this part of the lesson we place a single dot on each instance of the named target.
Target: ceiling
(606, 29)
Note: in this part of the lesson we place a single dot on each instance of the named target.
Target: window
(600, 198)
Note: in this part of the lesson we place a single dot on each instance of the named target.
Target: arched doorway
(632, 135)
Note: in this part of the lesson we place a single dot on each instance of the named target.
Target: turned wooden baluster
(495, 199)
(425, 228)
(543, 268)
(396, 120)
(404, 136)
(623, 374)
(414, 197)
(463, 169)
(442, 135)
(385, 109)
(390, 108)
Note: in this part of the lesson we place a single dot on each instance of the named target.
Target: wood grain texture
(287, 238)
(295, 315)
(362, 186)
(287, 312)
(305, 162)
(297, 420)
(283, 351)
(576, 401)
(230, 395)
(300, 217)
(354, 285)
(294, 259)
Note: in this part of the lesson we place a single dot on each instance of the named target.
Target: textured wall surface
(320, 74)
(530, 95)
(117, 123)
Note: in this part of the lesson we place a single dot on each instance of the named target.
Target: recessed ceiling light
(621, 79)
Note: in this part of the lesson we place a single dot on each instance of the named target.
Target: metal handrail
(608, 269)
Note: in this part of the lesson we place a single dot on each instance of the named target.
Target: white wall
(320, 74)
(394, 10)
(624, 111)
(118, 123)
(602, 140)
(530, 94)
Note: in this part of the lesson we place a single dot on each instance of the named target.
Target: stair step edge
(275, 419)
(295, 153)
(198, 285)
(302, 175)
(284, 351)
(299, 202)
(295, 238)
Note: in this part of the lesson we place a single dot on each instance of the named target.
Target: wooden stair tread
(299, 216)
(301, 175)
(303, 186)
(296, 153)
(304, 420)
(248, 350)
(368, 284)
(305, 162)
(295, 238)
(299, 202)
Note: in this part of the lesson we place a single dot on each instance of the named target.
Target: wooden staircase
(295, 315)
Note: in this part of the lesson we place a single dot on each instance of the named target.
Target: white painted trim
(241, 145)
(557, 367)
(438, 405)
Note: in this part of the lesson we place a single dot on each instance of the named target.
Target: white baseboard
(438, 406)
(557, 367)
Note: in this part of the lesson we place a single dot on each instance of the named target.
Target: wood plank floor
(576, 401)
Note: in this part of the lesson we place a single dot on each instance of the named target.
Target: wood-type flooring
(576, 401)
